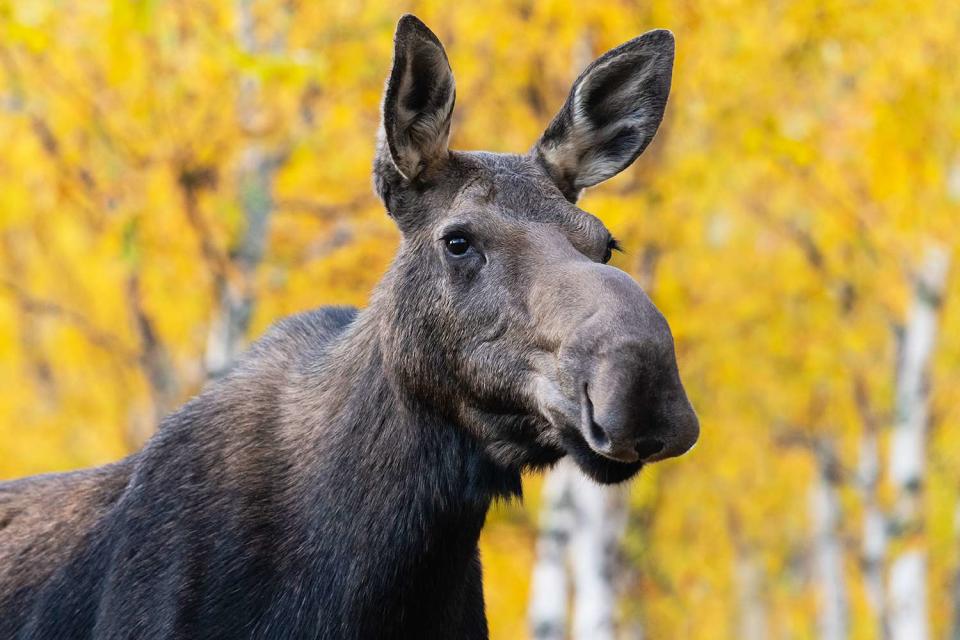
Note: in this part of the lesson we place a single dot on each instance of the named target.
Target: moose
(334, 483)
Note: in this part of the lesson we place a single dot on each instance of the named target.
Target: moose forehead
(491, 191)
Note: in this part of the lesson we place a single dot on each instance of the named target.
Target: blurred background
(176, 175)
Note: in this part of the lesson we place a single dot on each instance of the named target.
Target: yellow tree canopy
(810, 154)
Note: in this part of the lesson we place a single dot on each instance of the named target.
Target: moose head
(505, 316)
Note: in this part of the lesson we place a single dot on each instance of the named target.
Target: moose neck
(384, 478)
(374, 423)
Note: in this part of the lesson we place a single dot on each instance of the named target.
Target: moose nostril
(648, 447)
(597, 434)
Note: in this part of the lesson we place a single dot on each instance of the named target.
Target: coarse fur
(335, 482)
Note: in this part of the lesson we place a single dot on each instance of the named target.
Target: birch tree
(873, 537)
(908, 607)
(826, 513)
(259, 163)
(752, 621)
(595, 556)
(550, 587)
(750, 580)
(581, 525)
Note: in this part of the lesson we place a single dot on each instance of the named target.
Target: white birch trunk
(549, 588)
(601, 518)
(257, 170)
(825, 511)
(578, 548)
(907, 587)
(874, 535)
(908, 596)
(752, 620)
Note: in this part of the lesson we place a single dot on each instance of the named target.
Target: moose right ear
(418, 102)
(611, 114)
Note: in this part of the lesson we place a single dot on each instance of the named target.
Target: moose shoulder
(334, 483)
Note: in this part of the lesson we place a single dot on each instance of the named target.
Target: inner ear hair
(611, 114)
(419, 100)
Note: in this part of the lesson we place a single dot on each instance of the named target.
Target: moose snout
(616, 366)
(620, 366)
(631, 411)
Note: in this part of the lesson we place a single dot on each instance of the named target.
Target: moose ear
(419, 100)
(611, 114)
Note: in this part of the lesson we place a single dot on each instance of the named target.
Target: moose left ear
(611, 114)
(419, 99)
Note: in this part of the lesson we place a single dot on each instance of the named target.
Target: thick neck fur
(386, 497)
(305, 495)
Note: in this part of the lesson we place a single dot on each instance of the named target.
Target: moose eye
(457, 245)
(612, 245)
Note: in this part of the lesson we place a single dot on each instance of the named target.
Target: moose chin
(334, 483)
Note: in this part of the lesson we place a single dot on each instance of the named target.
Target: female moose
(334, 484)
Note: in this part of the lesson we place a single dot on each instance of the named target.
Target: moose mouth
(584, 441)
(601, 468)
(581, 437)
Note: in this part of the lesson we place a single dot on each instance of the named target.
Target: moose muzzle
(616, 365)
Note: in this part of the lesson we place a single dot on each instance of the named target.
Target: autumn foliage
(166, 163)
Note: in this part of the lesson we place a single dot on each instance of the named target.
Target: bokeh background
(176, 175)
